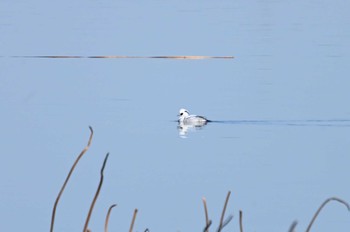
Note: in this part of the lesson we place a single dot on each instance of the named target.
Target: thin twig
(323, 204)
(206, 213)
(67, 179)
(206, 228)
(223, 211)
(226, 221)
(292, 227)
(96, 194)
(107, 217)
(133, 220)
(240, 221)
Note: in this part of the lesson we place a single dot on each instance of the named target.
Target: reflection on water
(185, 128)
(307, 122)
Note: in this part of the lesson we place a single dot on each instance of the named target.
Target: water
(280, 141)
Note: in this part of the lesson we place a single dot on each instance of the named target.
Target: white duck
(193, 120)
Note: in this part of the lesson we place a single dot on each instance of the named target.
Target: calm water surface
(280, 141)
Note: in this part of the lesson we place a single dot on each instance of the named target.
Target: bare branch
(107, 217)
(67, 179)
(96, 194)
(321, 207)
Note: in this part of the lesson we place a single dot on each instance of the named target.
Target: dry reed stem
(240, 221)
(67, 179)
(206, 228)
(292, 227)
(321, 207)
(131, 57)
(227, 221)
(206, 214)
(223, 212)
(96, 194)
(107, 217)
(133, 220)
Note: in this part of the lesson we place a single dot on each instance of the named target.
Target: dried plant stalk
(227, 221)
(96, 194)
(292, 227)
(223, 212)
(107, 217)
(67, 179)
(241, 221)
(321, 207)
(206, 228)
(206, 214)
(133, 220)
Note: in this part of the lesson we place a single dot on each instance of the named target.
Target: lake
(279, 140)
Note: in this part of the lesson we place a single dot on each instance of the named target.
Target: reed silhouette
(222, 223)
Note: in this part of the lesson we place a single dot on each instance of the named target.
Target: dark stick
(323, 204)
(227, 220)
(223, 211)
(206, 228)
(206, 214)
(107, 217)
(292, 227)
(96, 194)
(133, 220)
(241, 221)
(67, 179)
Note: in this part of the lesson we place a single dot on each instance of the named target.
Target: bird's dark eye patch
(181, 114)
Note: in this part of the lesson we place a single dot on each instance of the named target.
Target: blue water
(279, 139)
(314, 122)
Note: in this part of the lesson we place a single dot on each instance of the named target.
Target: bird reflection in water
(188, 122)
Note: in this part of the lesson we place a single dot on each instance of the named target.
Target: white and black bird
(192, 120)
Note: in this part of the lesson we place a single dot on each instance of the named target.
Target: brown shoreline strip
(129, 57)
